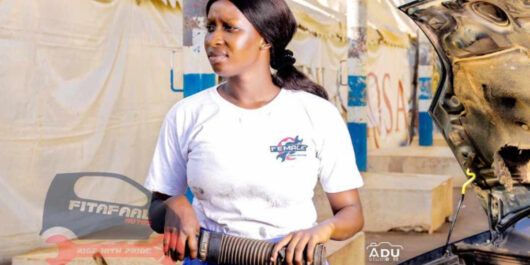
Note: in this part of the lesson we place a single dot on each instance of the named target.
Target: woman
(252, 149)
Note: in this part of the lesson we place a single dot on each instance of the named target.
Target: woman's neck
(249, 91)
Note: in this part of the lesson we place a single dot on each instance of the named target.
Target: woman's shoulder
(198, 99)
(194, 102)
(188, 108)
(312, 102)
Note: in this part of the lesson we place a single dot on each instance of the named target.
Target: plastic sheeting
(84, 87)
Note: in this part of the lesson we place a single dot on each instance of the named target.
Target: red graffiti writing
(382, 114)
(69, 250)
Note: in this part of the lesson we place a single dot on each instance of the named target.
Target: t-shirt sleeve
(167, 173)
(338, 169)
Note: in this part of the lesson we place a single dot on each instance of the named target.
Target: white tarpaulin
(84, 87)
(388, 81)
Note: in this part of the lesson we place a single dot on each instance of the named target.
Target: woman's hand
(180, 228)
(347, 220)
(297, 242)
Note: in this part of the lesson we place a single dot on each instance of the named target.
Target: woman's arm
(348, 214)
(157, 212)
(174, 217)
(347, 221)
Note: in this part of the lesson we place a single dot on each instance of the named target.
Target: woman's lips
(215, 59)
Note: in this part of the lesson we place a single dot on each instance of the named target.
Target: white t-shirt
(253, 171)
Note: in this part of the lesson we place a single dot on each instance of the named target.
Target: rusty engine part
(482, 107)
(482, 104)
(223, 249)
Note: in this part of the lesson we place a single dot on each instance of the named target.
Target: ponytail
(288, 77)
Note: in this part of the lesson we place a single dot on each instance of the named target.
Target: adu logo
(383, 252)
(288, 147)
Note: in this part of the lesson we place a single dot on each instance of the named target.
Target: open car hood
(482, 104)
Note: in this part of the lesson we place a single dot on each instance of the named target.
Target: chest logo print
(289, 148)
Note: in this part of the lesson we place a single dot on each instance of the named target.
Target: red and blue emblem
(288, 148)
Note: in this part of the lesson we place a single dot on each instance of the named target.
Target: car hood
(482, 104)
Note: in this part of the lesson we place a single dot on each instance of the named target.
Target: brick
(436, 160)
(405, 201)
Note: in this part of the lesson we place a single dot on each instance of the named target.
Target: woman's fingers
(192, 244)
(173, 238)
(170, 241)
(311, 244)
(178, 241)
(165, 243)
(181, 245)
(299, 249)
(289, 252)
(282, 243)
(173, 255)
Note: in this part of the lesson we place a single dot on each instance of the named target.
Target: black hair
(276, 24)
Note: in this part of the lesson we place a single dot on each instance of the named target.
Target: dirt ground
(471, 220)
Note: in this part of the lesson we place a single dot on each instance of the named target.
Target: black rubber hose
(230, 250)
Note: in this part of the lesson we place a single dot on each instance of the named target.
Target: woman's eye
(230, 28)
(210, 27)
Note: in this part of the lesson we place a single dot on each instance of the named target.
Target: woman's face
(232, 43)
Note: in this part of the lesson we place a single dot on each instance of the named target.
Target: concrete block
(405, 201)
(437, 140)
(347, 252)
(436, 160)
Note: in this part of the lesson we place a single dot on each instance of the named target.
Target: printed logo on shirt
(288, 148)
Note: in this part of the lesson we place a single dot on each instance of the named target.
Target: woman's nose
(214, 38)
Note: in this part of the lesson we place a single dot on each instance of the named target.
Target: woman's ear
(264, 45)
